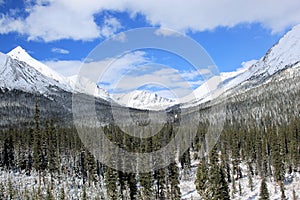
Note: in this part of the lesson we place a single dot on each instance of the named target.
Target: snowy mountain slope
(284, 54)
(15, 74)
(216, 85)
(70, 84)
(20, 54)
(81, 85)
(144, 100)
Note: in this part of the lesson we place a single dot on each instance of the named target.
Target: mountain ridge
(285, 53)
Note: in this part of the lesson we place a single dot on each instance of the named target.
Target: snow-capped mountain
(285, 53)
(81, 84)
(216, 85)
(15, 74)
(20, 54)
(70, 84)
(144, 100)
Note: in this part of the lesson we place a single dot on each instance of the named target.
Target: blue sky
(61, 33)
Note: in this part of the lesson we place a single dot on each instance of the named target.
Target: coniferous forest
(46, 161)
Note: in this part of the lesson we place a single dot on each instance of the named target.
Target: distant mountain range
(19, 71)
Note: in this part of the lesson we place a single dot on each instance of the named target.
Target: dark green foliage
(160, 188)
(11, 190)
(264, 193)
(132, 182)
(62, 195)
(49, 194)
(111, 178)
(52, 148)
(202, 179)
(174, 182)
(8, 153)
(146, 181)
(58, 152)
(37, 151)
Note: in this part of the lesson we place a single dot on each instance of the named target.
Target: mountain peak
(21, 54)
(144, 100)
(18, 51)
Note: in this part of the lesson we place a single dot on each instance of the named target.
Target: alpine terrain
(256, 154)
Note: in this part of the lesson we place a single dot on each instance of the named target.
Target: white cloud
(110, 26)
(60, 50)
(167, 32)
(74, 19)
(121, 37)
(129, 72)
(65, 67)
(60, 19)
(198, 15)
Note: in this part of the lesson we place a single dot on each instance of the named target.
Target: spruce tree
(202, 179)
(132, 182)
(146, 181)
(52, 148)
(37, 152)
(111, 179)
(264, 193)
(159, 177)
(62, 195)
(2, 191)
(11, 191)
(277, 158)
(49, 194)
(174, 181)
(218, 187)
(8, 155)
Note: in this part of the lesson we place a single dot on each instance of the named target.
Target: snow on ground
(73, 186)
(292, 182)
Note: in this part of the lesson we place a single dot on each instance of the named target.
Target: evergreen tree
(174, 181)
(159, 177)
(146, 181)
(264, 193)
(62, 195)
(132, 182)
(37, 152)
(111, 178)
(277, 158)
(2, 191)
(49, 194)
(52, 148)
(8, 153)
(91, 167)
(202, 179)
(11, 190)
(218, 188)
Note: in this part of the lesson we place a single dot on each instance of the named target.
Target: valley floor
(292, 182)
